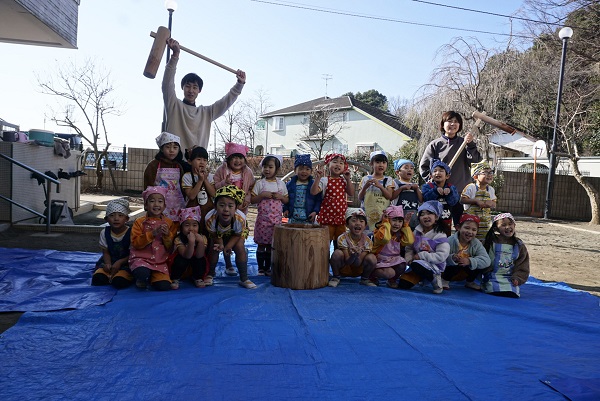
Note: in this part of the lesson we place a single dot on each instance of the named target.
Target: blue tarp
(347, 343)
(46, 280)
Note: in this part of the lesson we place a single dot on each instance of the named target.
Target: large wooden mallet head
(157, 51)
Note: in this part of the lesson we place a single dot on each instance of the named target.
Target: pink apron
(169, 178)
(390, 255)
(269, 215)
(153, 256)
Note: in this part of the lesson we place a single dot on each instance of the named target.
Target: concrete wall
(16, 182)
(130, 180)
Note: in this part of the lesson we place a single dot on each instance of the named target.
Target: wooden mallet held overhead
(482, 117)
(158, 49)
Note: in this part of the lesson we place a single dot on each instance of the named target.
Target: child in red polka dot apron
(334, 188)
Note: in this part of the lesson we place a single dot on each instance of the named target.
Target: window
(340, 117)
(365, 147)
(278, 122)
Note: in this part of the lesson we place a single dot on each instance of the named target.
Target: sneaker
(248, 284)
(199, 283)
(175, 284)
(445, 284)
(473, 285)
(230, 271)
(208, 280)
(436, 283)
(268, 273)
(333, 282)
(261, 272)
(141, 284)
(392, 284)
(367, 282)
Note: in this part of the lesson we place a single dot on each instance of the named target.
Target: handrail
(49, 181)
(26, 167)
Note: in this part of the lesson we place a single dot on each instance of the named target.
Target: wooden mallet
(158, 49)
(482, 117)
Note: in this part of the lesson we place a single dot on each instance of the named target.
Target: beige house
(347, 126)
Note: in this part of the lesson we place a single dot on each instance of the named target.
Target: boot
(260, 260)
(267, 263)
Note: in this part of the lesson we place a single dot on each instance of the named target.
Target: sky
(285, 51)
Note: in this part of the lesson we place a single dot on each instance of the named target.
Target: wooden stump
(300, 256)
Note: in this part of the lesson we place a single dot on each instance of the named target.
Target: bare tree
(228, 125)
(252, 109)
(86, 100)
(322, 127)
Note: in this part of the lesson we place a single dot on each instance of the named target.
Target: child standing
(375, 191)
(113, 267)
(510, 259)
(353, 255)
(389, 239)
(166, 171)
(334, 189)
(479, 198)
(234, 171)
(226, 225)
(407, 193)
(199, 184)
(270, 194)
(440, 189)
(151, 242)
(428, 254)
(303, 207)
(190, 248)
(468, 258)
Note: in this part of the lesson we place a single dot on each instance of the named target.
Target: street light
(564, 34)
(171, 6)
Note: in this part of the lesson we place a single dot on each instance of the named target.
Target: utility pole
(326, 77)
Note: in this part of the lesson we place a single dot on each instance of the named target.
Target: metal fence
(117, 158)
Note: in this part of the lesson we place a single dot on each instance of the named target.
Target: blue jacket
(313, 202)
(429, 190)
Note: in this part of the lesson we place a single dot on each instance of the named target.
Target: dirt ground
(562, 251)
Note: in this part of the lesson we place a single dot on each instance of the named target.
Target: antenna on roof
(326, 77)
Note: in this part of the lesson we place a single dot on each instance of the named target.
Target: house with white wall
(356, 127)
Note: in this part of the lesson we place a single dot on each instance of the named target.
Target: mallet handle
(190, 51)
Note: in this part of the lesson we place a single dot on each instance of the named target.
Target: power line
(350, 14)
(485, 12)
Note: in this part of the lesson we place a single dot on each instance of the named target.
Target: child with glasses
(479, 197)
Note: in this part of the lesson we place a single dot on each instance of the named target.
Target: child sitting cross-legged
(353, 256)
(190, 249)
(226, 225)
(468, 258)
(113, 266)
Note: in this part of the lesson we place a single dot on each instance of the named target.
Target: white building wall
(358, 129)
(589, 166)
